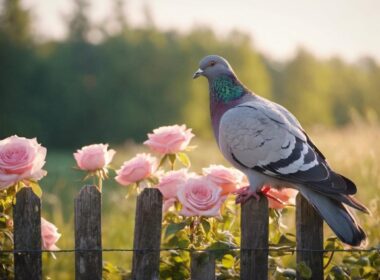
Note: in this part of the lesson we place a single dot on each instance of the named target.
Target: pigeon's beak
(198, 73)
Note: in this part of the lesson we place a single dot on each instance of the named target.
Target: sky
(347, 28)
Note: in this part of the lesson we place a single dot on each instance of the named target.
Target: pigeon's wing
(258, 136)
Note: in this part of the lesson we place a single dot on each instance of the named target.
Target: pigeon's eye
(212, 63)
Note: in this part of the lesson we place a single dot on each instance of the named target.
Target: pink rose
(229, 179)
(20, 159)
(169, 139)
(167, 203)
(278, 199)
(136, 169)
(49, 235)
(94, 157)
(170, 183)
(200, 197)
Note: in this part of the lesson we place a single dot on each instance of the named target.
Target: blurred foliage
(102, 84)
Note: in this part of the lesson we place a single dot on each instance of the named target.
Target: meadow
(352, 151)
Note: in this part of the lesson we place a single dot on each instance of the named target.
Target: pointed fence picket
(147, 236)
(27, 235)
(88, 234)
(254, 239)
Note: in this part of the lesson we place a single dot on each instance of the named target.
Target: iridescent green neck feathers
(225, 89)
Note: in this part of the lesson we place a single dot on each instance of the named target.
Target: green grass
(353, 151)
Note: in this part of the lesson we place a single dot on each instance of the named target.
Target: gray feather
(337, 216)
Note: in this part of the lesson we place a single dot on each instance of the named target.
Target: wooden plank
(27, 235)
(88, 234)
(147, 236)
(202, 266)
(254, 235)
(309, 236)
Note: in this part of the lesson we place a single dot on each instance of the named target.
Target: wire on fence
(287, 250)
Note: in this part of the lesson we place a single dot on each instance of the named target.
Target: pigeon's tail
(337, 216)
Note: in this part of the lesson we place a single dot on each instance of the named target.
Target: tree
(15, 22)
(79, 24)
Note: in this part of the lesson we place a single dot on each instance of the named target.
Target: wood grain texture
(27, 235)
(202, 266)
(254, 235)
(147, 235)
(309, 236)
(88, 234)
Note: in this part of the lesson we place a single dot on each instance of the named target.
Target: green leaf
(338, 273)
(36, 189)
(376, 263)
(228, 261)
(109, 267)
(364, 261)
(178, 259)
(174, 228)
(350, 260)
(284, 240)
(172, 158)
(206, 225)
(184, 159)
(220, 249)
(183, 243)
(173, 242)
(304, 270)
(162, 161)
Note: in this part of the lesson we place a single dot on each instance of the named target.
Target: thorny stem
(329, 261)
(195, 232)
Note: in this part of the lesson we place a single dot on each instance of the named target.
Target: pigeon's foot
(265, 191)
(244, 194)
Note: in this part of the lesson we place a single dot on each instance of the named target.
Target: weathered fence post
(27, 235)
(309, 237)
(147, 236)
(254, 235)
(202, 266)
(88, 234)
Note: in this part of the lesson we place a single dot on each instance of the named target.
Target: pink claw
(265, 191)
(244, 194)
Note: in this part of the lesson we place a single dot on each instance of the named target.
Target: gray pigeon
(267, 143)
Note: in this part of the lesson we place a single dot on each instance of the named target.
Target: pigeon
(268, 144)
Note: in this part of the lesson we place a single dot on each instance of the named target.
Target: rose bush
(21, 163)
(21, 159)
(197, 222)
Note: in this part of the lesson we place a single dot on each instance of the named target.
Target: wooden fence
(147, 237)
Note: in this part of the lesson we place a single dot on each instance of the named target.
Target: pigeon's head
(213, 66)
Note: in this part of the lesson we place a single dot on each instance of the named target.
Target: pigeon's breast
(218, 109)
